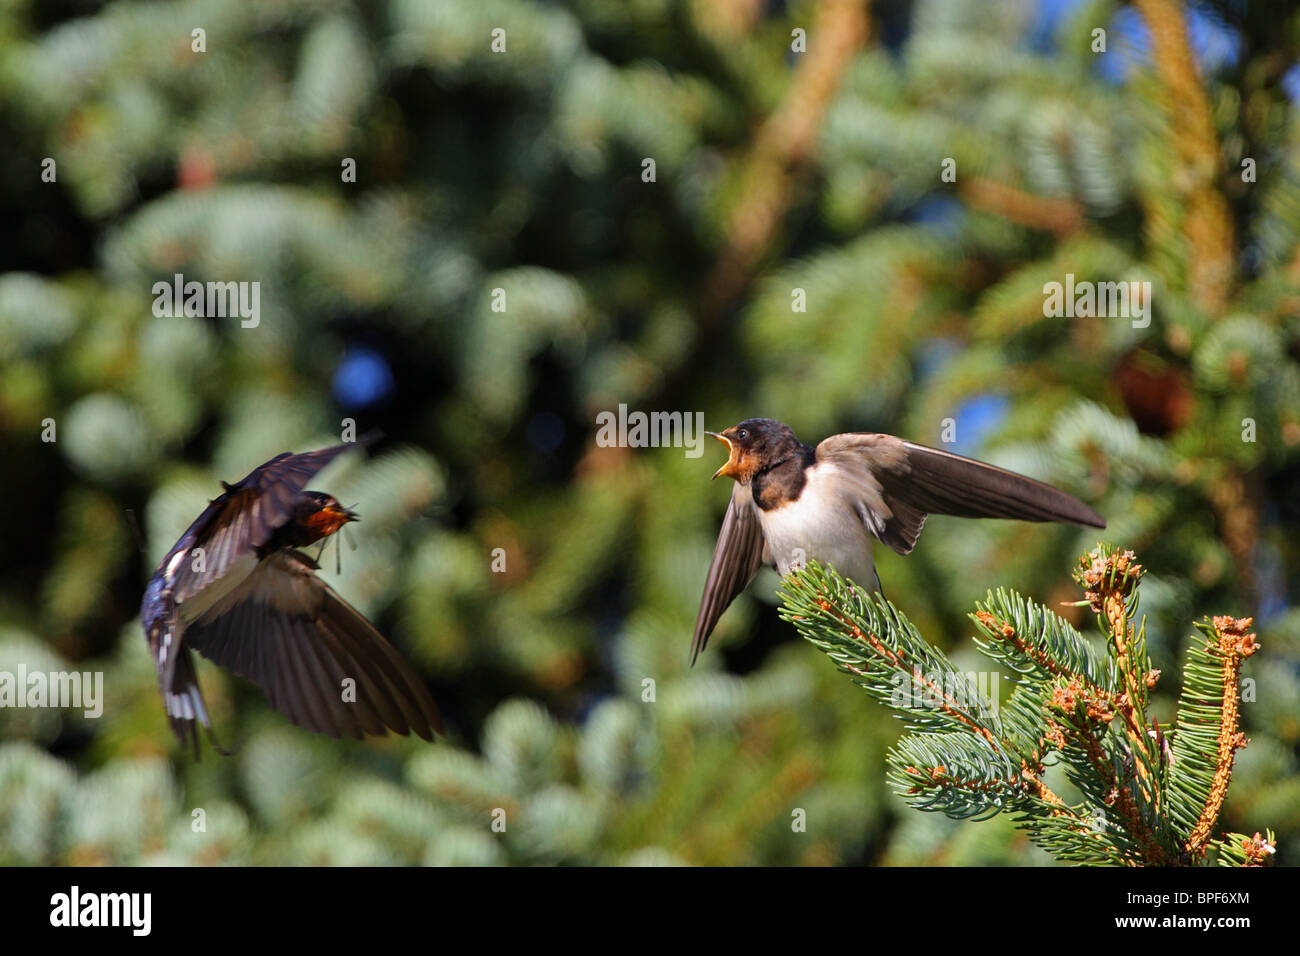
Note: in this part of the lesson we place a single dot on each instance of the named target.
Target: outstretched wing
(893, 484)
(289, 632)
(238, 522)
(736, 559)
(217, 551)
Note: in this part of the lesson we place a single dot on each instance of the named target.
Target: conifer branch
(781, 150)
(1110, 584)
(1241, 850)
(1142, 802)
(1207, 223)
(1062, 217)
(1228, 644)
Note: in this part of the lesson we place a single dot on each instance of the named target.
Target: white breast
(819, 526)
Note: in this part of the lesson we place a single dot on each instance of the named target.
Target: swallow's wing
(736, 559)
(893, 484)
(218, 550)
(234, 525)
(320, 663)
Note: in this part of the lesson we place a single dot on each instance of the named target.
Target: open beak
(729, 469)
(341, 514)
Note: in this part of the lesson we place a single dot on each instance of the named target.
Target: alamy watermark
(57, 689)
(129, 910)
(651, 430)
(976, 691)
(212, 300)
(1108, 300)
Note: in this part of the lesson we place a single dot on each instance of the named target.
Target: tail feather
(185, 706)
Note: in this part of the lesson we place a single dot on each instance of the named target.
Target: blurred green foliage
(522, 171)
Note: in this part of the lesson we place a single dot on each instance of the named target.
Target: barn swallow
(793, 503)
(236, 589)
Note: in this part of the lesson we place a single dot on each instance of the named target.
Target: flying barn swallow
(236, 589)
(793, 503)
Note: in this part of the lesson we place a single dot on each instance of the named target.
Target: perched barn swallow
(236, 589)
(793, 503)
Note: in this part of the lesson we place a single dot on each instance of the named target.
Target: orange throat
(326, 521)
(740, 466)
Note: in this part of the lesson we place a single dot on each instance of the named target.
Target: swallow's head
(322, 514)
(755, 444)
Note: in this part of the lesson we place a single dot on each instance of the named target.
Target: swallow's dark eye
(742, 434)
